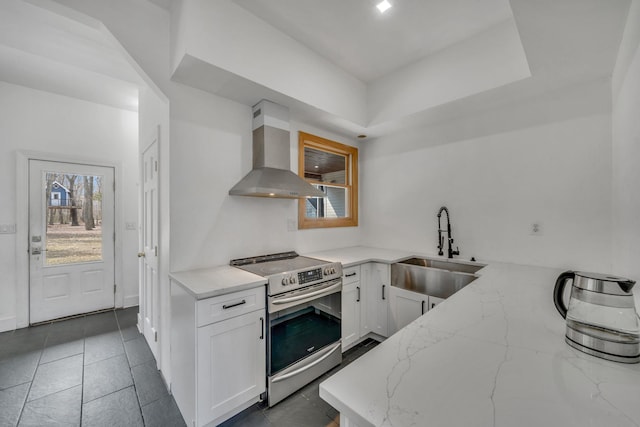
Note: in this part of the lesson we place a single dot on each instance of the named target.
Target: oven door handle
(310, 365)
(327, 290)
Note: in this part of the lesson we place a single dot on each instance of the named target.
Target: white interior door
(149, 296)
(71, 239)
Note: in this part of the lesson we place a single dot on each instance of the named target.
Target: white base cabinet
(376, 279)
(365, 303)
(218, 354)
(350, 322)
(351, 306)
(406, 306)
(231, 364)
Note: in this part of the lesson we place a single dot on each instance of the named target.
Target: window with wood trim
(331, 167)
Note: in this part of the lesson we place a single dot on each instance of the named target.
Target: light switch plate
(130, 226)
(291, 225)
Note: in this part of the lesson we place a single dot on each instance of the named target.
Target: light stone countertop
(210, 282)
(361, 254)
(492, 354)
(214, 281)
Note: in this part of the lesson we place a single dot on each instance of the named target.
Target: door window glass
(73, 205)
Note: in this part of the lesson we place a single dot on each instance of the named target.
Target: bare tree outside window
(87, 212)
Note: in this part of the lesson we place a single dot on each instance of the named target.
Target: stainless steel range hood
(271, 176)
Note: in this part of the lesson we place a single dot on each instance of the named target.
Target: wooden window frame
(351, 179)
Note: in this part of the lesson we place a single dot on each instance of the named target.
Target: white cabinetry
(217, 354)
(433, 301)
(364, 303)
(351, 306)
(405, 307)
(375, 279)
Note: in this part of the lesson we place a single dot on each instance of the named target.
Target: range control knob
(285, 282)
(292, 280)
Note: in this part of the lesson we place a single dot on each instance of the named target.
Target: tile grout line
(84, 352)
(133, 380)
(24, 404)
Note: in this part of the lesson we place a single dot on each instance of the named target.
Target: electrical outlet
(7, 228)
(536, 229)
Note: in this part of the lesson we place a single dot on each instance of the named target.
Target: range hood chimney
(270, 176)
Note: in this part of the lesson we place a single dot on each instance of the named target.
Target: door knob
(141, 255)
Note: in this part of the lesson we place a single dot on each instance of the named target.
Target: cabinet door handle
(262, 328)
(422, 308)
(350, 275)
(225, 307)
(358, 299)
(383, 292)
(433, 304)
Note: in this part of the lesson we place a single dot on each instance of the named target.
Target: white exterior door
(71, 239)
(149, 294)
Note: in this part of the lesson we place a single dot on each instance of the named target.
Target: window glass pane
(74, 218)
(334, 205)
(325, 167)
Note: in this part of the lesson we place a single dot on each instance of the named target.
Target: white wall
(626, 153)
(211, 152)
(142, 28)
(495, 187)
(488, 60)
(39, 121)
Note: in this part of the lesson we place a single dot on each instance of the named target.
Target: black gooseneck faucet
(450, 251)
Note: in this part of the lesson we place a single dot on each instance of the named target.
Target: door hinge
(156, 165)
(114, 288)
(114, 236)
(114, 186)
(155, 336)
(156, 250)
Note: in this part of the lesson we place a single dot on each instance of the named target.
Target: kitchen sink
(449, 265)
(433, 277)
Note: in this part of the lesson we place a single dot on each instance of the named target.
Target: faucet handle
(456, 252)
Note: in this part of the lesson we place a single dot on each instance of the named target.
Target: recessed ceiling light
(383, 6)
(316, 166)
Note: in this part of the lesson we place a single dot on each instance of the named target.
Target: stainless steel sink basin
(433, 277)
(449, 265)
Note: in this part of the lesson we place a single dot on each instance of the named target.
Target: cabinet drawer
(350, 275)
(223, 307)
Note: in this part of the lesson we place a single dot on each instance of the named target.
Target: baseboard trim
(8, 324)
(131, 301)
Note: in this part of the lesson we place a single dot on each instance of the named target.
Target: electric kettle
(601, 315)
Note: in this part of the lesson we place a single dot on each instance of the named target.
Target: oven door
(303, 337)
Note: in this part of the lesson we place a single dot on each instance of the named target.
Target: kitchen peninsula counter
(492, 354)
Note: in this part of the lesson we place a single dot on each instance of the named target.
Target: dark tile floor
(94, 370)
(304, 408)
(97, 370)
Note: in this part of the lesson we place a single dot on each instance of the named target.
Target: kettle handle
(558, 292)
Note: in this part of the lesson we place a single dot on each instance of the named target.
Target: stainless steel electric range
(304, 318)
